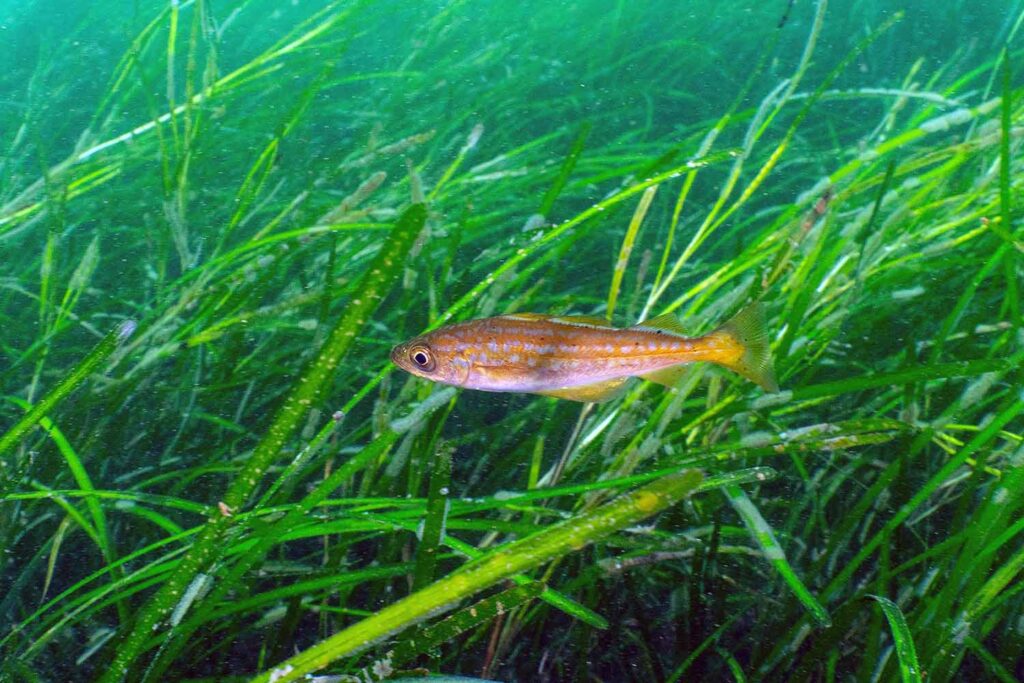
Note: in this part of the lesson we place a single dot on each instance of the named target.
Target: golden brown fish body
(580, 358)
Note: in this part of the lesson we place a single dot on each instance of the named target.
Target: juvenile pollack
(582, 358)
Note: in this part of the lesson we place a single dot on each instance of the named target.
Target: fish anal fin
(669, 377)
(598, 392)
(668, 322)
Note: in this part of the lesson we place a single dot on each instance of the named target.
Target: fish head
(427, 358)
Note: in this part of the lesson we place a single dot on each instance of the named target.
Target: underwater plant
(217, 221)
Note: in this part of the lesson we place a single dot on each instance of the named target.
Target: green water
(216, 220)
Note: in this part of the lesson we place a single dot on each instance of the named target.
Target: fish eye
(422, 358)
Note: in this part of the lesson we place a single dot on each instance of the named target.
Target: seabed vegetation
(217, 218)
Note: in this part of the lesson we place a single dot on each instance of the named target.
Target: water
(207, 252)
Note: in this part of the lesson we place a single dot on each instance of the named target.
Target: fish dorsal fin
(588, 320)
(669, 377)
(598, 392)
(582, 320)
(524, 316)
(667, 322)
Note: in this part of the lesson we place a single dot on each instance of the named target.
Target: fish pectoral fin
(597, 392)
(669, 377)
(666, 323)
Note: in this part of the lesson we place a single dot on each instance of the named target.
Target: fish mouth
(396, 353)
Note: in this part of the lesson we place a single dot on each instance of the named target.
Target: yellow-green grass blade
(501, 563)
(485, 610)
(627, 247)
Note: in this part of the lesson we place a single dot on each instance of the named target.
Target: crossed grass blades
(212, 234)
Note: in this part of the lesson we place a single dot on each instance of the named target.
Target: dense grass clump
(215, 222)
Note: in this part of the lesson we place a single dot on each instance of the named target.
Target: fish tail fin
(747, 329)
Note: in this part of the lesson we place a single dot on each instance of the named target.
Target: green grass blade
(764, 536)
(81, 476)
(437, 514)
(78, 374)
(565, 170)
(993, 665)
(1012, 259)
(382, 276)
(910, 670)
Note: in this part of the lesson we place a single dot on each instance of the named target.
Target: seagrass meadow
(217, 219)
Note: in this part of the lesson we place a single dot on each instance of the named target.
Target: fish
(583, 358)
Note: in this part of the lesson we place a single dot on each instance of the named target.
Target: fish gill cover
(216, 220)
